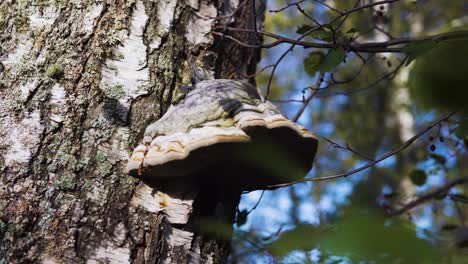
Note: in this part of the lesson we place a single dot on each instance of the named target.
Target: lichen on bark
(66, 136)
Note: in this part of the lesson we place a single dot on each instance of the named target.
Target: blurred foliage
(360, 235)
(439, 77)
(365, 106)
(317, 61)
(302, 237)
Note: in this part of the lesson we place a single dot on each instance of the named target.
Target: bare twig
(345, 15)
(388, 76)
(258, 202)
(347, 147)
(288, 5)
(429, 196)
(285, 101)
(405, 40)
(355, 9)
(381, 30)
(309, 98)
(270, 79)
(329, 7)
(258, 72)
(303, 98)
(282, 57)
(270, 45)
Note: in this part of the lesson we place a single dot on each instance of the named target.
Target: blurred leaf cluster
(359, 235)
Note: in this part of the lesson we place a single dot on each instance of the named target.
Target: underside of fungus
(222, 131)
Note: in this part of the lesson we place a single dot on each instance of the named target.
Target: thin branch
(299, 7)
(303, 98)
(266, 46)
(288, 5)
(381, 30)
(388, 76)
(329, 7)
(370, 47)
(285, 101)
(364, 47)
(314, 88)
(309, 98)
(282, 57)
(372, 163)
(346, 15)
(429, 196)
(348, 148)
(270, 79)
(258, 202)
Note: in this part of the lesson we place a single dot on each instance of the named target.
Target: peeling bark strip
(79, 82)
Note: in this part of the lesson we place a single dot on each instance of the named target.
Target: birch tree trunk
(79, 82)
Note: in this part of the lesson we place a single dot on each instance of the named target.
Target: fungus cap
(222, 131)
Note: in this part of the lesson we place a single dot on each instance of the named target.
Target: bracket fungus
(222, 131)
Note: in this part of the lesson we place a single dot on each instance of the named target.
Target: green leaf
(313, 62)
(418, 177)
(333, 59)
(438, 158)
(416, 49)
